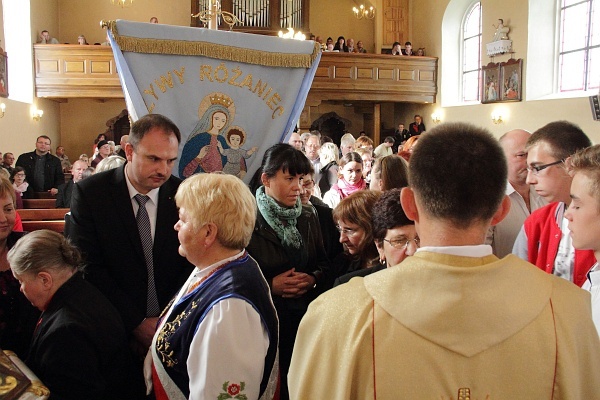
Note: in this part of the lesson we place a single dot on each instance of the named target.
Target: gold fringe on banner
(212, 50)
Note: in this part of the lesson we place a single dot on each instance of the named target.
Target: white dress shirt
(503, 235)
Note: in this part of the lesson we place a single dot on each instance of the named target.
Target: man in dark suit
(105, 208)
(65, 191)
(400, 136)
(43, 170)
(123, 143)
(417, 127)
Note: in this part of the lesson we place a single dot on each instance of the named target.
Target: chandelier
(122, 3)
(209, 16)
(363, 12)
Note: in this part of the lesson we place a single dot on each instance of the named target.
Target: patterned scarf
(345, 188)
(274, 214)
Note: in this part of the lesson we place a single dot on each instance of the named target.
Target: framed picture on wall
(490, 79)
(3, 74)
(512, 80)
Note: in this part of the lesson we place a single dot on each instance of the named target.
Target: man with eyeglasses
(523, 197)
(311, 150)
(453, 320)
(43, 170)
(544, 239)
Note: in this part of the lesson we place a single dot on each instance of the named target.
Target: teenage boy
(584, 216)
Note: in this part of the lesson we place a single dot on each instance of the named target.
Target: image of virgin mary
(201, 153)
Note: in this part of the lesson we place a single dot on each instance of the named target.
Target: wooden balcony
(73, 71)
(64, 71)
(375, 78)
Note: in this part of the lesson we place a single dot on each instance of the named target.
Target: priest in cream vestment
(453, 321)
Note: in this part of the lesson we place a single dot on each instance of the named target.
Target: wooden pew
(39, 203)
(43, 214)
(57, 226)
(43, 195)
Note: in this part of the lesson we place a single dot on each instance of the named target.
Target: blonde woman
(329, 155)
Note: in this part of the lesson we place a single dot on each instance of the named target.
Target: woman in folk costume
(350, 179)
(218, 338)
(287, 244)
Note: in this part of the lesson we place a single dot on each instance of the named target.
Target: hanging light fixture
(210, 14)
(363, 12)
(121, 3)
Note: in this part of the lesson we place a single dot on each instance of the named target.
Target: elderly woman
(287, 244)
(110, 162)
(17, 316)
(79, 348)
(389, 172)
(394, 234)
(218, 338)
(353, 219)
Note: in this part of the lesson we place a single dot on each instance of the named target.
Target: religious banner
(232, 95)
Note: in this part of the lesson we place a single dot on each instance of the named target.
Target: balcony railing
(74, 71)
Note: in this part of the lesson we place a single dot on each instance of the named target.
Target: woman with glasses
(394, 234)
(21, 186)
(287, 244)
(353, 219)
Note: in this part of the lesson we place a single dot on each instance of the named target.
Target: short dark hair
(408, 44)
(43, 137)
(388, 214)
(458, 173)
(396, 44)
(238, 132)
(148, 122)
(286, 158)
(563, 137)
(388, 139)
(326, 139)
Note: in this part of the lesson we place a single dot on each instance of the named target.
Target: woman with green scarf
(287, 244)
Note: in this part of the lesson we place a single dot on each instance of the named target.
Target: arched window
(471, 54)
(579, 51)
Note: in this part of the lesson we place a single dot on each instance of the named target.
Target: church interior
(357, 101)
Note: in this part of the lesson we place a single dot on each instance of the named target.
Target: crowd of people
(328, 276)
(40, 171)
(343, 45)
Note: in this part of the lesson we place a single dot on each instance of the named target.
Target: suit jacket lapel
(164, 217)
(122, 205)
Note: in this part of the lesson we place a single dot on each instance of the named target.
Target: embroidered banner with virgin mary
(232, 95)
